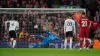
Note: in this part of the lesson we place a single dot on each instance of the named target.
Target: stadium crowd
(33, 24)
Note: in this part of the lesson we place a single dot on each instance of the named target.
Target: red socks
(87, 43)
(81, 43)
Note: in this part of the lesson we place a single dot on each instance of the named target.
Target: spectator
(23, 35)
(78, 2)
(17, 5)
(24, 22)
(94, 27)
(36, 29)
(9, 4)
(95, 24)
(0, 6)
(41, 2)
(44, 6)
(50, 3)
(3, 3)
(66, 2)
(98, 16)
(23, 3)
(36, 5)
(30, 27)
(97, 33)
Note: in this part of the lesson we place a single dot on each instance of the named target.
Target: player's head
(55, 32)
(83, 14)
(95, 18)
(69, 15)
(23, 29)
(10, 18)
(15, 18)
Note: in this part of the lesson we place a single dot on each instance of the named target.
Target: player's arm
(47, 32)
(58, 38)
(6, 24)
(98, 24)
(74, 28)
(39, 36)
(90, 23)
(79, 23)
(64, 27)
(17, 26)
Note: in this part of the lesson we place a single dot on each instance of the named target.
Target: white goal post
(39, 10)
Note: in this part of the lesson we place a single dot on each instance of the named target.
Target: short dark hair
(83, 13)
(15, 18)
(69, 15)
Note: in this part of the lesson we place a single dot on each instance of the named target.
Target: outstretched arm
(39, 36)
(47, 32)
(58, 38)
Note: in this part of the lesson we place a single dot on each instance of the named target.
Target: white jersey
(69, 25)
(13, 25)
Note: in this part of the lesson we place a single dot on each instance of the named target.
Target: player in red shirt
(84, 24)
(94, 26)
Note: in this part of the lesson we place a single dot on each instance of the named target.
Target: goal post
(39, 10)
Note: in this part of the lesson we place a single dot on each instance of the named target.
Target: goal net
(35, 20)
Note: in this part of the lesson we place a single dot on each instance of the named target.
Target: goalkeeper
(46, 40)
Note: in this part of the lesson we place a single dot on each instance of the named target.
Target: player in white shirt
(13, 27)
(69, 30)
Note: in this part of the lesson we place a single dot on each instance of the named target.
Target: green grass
(47, 52)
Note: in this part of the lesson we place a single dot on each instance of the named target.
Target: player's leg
(81, 35)
(11, 39)
(65, 42)
(87, 43)
(71, 39)
(84, 43)
(80, 43)
(14, 41)
(35, 45)
(86, 40)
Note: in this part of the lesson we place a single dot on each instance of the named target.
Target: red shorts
(84, 33)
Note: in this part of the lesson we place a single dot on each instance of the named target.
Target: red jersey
(84, 23)
(95, 24)
(84, 27)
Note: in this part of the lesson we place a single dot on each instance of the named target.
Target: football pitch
(47, 52)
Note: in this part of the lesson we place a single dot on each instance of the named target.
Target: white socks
(65, 43)
(14, 43)
(11, 41)
(70, 43)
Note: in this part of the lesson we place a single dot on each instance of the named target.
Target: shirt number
(84, 23)
(12, 24)
(69, 23)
